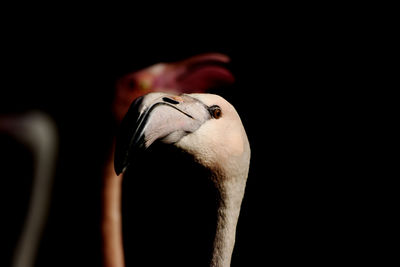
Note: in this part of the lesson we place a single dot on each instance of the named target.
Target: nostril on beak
(169, 100)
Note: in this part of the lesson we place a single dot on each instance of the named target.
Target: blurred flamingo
(37, 132)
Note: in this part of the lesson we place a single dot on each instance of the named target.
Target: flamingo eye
(131, 84)
(215, 111)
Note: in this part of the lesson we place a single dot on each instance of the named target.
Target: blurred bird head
(196, 74)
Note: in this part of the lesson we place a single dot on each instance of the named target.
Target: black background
(294, 92)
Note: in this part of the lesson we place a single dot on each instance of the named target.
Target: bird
(207, 129)
(195, 74)
(38, 134)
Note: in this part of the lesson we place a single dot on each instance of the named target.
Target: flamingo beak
(156, 117)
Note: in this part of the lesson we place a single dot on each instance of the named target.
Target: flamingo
(38, 133)
(195, 74)
(208, 129)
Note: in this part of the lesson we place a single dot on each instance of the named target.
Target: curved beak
(156, 116)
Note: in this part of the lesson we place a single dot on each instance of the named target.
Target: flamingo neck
(227, 217)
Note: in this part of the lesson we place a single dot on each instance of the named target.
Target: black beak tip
(120, 167)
